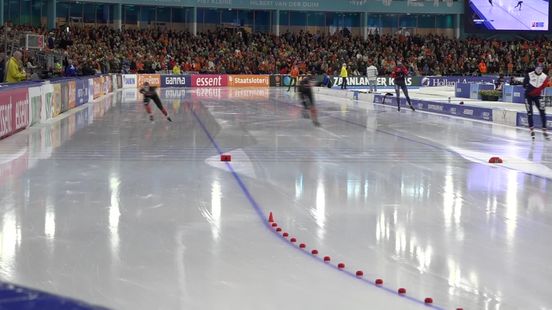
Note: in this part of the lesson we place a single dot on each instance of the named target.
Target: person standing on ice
(344, 74)
(372, 75)
(294, 76)
(534, 83)
(399, 75)
(150, 94)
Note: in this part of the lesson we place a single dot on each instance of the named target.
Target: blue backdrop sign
(176, 81)
(483, 114)
(523, 120)
(82, 91)
(433, 81)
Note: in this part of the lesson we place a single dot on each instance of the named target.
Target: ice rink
(103, 206)
(507, 15)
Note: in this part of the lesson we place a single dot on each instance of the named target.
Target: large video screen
(506, 15)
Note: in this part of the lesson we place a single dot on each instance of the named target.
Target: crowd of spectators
(91, 50)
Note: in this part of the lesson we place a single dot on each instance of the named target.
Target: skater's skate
(545, 134)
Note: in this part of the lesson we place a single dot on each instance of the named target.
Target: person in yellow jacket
(343, 76)
(14, 70)
(176, 69)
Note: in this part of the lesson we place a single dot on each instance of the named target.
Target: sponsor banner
(248, 81)
(152, 79)
(129, 81)
(276, 81)
(119, 96)
(362, 81)
(130, 95)
(90, 90)
(97, 87)
(175, 97)
(119, 81)
(172, 93)
(56, 100)
(113, 82)
(81, 92)
(20, 98)
(64, 97)
(523, 120)
(513, 93)
(433, 81)
(285, 80)
(504, 117)
(82, 118)
(72, 94)
(35, 104)
(248, 93)
(176, 81)
(14, 111)
(6, 115)
(209, 80)
(202, 93)
(108, 85)
(48, 99)
(462, 90)
(105, 85)
(483, 114)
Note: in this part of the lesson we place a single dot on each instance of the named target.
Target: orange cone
(270, 218)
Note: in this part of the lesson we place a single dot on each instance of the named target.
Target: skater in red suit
(399, 75)
(534, 83)
(150, 94)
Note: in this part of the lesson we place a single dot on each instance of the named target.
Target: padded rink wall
(25, 104)
(495, 115)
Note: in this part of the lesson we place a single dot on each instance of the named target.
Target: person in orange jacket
(482, 67)
(294, 76)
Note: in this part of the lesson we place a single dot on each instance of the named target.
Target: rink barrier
(23, 105)
(495, 115)
(28, 103)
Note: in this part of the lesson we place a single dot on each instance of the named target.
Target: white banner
(91, 90)
(130, 95)
(114, 82)
(130, 81)
(36, 105)
(47, 91)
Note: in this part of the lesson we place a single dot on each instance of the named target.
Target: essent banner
(14, 111)
(209, 80)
